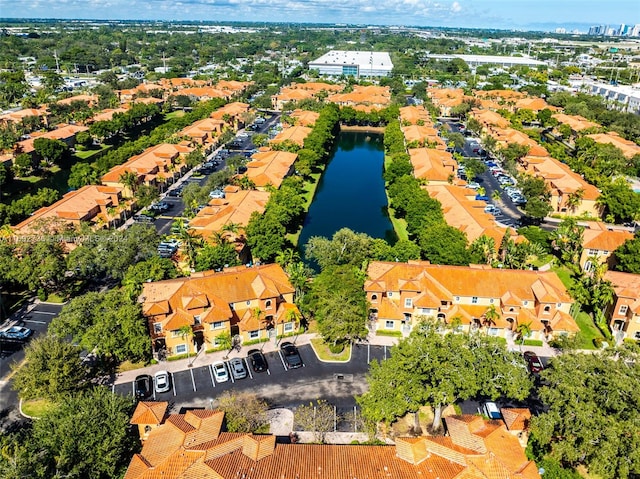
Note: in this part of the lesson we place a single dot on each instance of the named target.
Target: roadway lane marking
(211, 374)
(248, 368)
(282, 361)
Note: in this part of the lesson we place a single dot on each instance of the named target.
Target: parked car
(291, 356)
(19, 333)
(161, 207)
(162, 381)
(489, 208)
(143, 386)
(533, 362)
(140, 218)
(491, 410)
(473, 185)
(176, 192)
(482, 198)
(257, 360)
(220, 371)
(216, 194)
(236, 365)
(259, 120)
(496, 212)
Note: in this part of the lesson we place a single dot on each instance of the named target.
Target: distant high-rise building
(635, 31)
(561, 30)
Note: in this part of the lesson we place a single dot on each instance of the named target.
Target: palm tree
(523, 330)
(130, 180)
(485, 246)
(299, 277)
(286, 257)
(574, 199)
(496, 195)
(186, 332)
(490, 316)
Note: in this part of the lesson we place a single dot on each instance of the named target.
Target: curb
(330, 360)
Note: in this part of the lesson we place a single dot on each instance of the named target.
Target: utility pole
(55, 55)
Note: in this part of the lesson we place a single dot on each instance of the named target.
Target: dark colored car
(533, 362)
(257, 360)
(143, 385)
(291, 356)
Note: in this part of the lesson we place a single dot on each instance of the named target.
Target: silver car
(236, 365)
(161, 381)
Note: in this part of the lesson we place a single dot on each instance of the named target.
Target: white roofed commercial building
(504, 61)
(352, 63)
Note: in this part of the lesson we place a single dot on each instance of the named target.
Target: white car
(473, 185)
(491, 410)
(161, 381)
(220, 371)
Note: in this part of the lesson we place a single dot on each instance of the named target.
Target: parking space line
(368, 353)
(113, 388)
(228, 366)
(385, 351)
(33, 321)
(268, 371)
(173, 383)
(133, 388)
(284, 365)
(248, 368)
(193, 380)
(211, 374)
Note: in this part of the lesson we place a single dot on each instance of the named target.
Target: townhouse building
(19, 115)
(193, 444)
(304, 117)
(65, 133)
(204, 133)
(623, 314)
(234, 114)
(270, 167)
(295, 134)
(422, 135)
(365, 98)
(403, 294)
(156, 166)
(98, 205)
(253, 303)
(577, 123)
(434, 165)
(629, 148)
(599, 243)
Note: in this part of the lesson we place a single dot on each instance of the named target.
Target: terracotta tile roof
(489, 118)
(271, 167)
(414, 114)
(107, 114)
(625, 285)
(432, 165)
(83, 204)
(62, 132)
(562, 321)
(562, 181)
(203, 92)
(516, 419)
(534, 104)
(154, 161)
(235, 208)
(461, 210)
(149, 412)
(234, 86)
(629, 148)
(371, 96)
(419, 133)
(604, 240)
(304, 117)
(296, 134)
(500, 94)
(192, 446)
(90, 99)
(234, 109)
(575, 122)
(233, 285)
(18, 116)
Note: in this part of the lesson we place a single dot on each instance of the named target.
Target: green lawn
(36, 407)
(85, 155)
(565, 276)
(588, 331)
(174, 114)
(309, 192)
(323, 353)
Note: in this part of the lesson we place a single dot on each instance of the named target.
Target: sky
(501, 14)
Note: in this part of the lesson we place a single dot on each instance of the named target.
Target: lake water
(351, 191)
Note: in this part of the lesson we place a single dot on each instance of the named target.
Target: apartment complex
(403, 294)
(599, 243)
(255, 303)
(193, 445)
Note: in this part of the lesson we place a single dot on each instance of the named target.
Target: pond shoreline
(363, 129)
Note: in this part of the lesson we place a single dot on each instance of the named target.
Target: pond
(351, 192)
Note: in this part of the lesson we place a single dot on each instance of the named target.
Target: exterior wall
(619, 320)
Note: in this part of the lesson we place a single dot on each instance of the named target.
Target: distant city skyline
(500, 14)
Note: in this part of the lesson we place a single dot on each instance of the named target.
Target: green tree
(51, 151)
(458, 367)
(483, 250)
(538, 196)
(152, 269)
(620, 200)
(567, 241)
(338, 302)
(243, 412)
(216, 257)
(87, 435)
(444, 244)
(265, 236)
(23, 164)
(53, 369)
(583, 393)
(628, 256)
(82, 174)
(346, 247)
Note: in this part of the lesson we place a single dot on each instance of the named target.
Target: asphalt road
(245, 147)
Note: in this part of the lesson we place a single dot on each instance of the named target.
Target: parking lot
(335, 382)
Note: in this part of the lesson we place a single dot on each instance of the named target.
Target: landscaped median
(324, 354)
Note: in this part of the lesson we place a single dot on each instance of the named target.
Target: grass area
(542, 260)
(323, 353)
(588, 331)
(85, 155)
(174, 114)
(393, 334)
(130, 366)
(532, 342)
(565, 276)
(399, 224)
(55, 298)
(37, 407)
(308, 194)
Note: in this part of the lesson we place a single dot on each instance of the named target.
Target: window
(267, 304)
(457, 298)
(389, 324)
(558, 305)
(491, 301)
(474, 300)
(197, 320)
(623, 309)
(593, 252)
(248, 303)
(525, 303)
(390, 294)
(374, 298)
(289, 327)
(636, 335)
(408, 303)
(547, 308)
(217, 325)
(216, 342)
(180, 349)
(493, 331)
(426, 311)
(157, 328)
(176, 333)
(254, 334)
